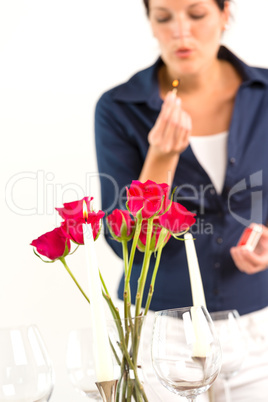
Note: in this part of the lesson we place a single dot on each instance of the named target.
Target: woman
(211, 142)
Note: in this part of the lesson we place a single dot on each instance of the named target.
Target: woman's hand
(170, 134)
(168, 138)
(255, 261)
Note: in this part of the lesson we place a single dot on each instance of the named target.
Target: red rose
(120, 224)
(148, 196)
(52, 244)
(73, 228)
(74, 210)
(154, 238)
(177, 219)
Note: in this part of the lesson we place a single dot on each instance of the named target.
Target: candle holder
(107, 390)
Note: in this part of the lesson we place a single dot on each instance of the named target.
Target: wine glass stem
(192, 399)
(227, 391)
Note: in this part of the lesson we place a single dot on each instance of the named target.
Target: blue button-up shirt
(124, 117)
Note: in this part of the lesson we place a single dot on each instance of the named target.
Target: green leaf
(139, 214)
(74, 249)
(47, 262)
(98, 231)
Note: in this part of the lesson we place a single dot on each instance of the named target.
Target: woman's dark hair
(219, 2)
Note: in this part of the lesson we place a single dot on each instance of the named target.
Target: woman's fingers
(173, 128)
(184, 132)
(171, 131)
(248, 261)
(164, 116)
(255, 261)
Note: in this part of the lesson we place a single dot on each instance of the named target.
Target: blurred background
(56, 58)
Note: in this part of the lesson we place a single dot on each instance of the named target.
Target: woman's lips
(183, 53)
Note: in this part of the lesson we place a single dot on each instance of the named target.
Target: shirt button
(212, 191)
(217, 265)
(216, 292)
(219, 240)
(232, 161)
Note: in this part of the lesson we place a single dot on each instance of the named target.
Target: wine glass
(232, 345)
(186, 353)
(26, 372)
(80, 363)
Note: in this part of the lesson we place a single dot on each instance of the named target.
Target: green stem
(145, 266)
(129, 389)
(127, 290)
(140, 290)
(125, 383)
(103, 284)
(123, 346)
(113, 309)
(137, 337)
(62, 259)
(133, 250)
(128, 270)
(125, 309)
(130, 322)
(151, 291)
(125, 255)
(114, 352)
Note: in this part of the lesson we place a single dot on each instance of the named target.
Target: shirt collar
(143, 86)
(249, 74)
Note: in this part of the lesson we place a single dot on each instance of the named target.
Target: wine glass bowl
(26, 372)
(186, 353)
(80, 363)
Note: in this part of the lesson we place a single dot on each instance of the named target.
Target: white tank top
(211, 153)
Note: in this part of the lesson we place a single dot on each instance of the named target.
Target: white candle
(101, 346)
(194, 272)
(201, 343)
